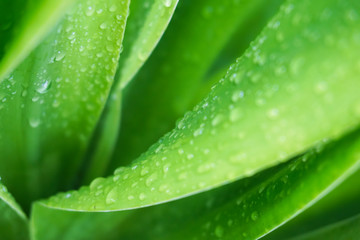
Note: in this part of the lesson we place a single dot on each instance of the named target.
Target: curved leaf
(144, 27)
(164, 88)
(52, 101)
(244, 125)
(347, 229)
(13, 222)
(248, 208)
(22, 27)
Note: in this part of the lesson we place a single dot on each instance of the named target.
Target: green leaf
(22, 27)
(13, 222)
(339, 204)
(51, 103)
(244, 125)
(347, 229)
(164, 88)
(144, 28)
(248, 208)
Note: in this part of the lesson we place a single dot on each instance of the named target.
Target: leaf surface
(248, 208)
(13, 222)
(244, 125)
(145, 26)
(346, 229)
(51, 103)
(23, 26)
(172, 75)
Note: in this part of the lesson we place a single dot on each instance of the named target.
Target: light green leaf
(246, 209)
(102, 144)
(146, 25)
(23, 26)
(13, 222)
(144, 28)
(244, 125)
(51, 103)
(339, 204)
(164, 88)
(344, 230)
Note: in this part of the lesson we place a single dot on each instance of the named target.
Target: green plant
(86, 89)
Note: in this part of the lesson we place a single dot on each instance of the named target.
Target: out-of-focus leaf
(23, 24)
(13, 222)
(164, 88)
(345, 230)
(339, 204)
(103, 140)
(144, 27)
(51, 103)
(244, 125)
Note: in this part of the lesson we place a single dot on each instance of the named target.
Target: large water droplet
(97, 183)
(34, 122)
(167, 3)
(44, 87)
(111, 196)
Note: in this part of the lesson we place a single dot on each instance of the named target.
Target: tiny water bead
(44, 87)
(167, 3)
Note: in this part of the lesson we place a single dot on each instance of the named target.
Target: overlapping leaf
(218, 142)
(52, 101)
(13, 222)
(164, 88)
(144, 28)
(22, 27)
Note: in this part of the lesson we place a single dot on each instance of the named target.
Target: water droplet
(205, 167)
(34, 122)
(142, 56)
(217, 119)
(142, 196)
(144, 171)
(112, 196)
(89, 11)
(103, 26)
(166, 168)
(110, 48)
(167, 3)
(219, 231)
(44, 87)
(254, 215)
(150, 179)
(130, 197)
(59, 56)
(97, 183)
(198, 131)
(112, 8)
(237, 95)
